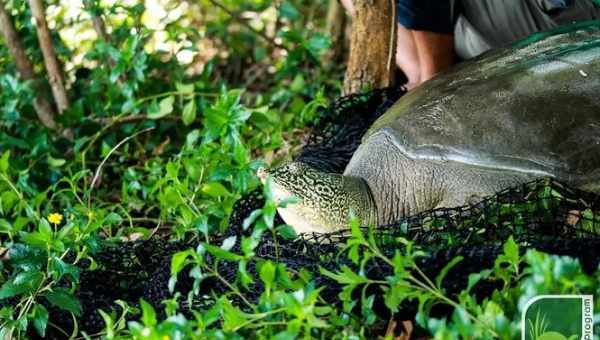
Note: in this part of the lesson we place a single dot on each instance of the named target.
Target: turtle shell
(533, 107)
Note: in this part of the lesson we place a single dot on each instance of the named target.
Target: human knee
(349, 6)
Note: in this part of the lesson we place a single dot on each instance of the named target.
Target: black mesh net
(546, 215)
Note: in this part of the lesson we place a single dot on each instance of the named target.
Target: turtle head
(323, 202)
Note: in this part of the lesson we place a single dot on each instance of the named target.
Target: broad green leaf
(39, 316)
(10, 289)
(37, 240)
(214, 189)
(5, 226)
(63, 299)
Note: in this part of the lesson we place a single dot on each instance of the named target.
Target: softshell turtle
(512, 115)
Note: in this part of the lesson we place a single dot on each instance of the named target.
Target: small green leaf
(4, 161)
(189, 113)
(287, 10)
(287, 232)
(45, 229)
(59, 268)
(317, 44)
(297, 84)
(228, 243)
(165, 107)
(222, 254)
(248, 221)
(178, 261)
(267, 273)
(446, 269)
(474, 278)
(345, 277)
(184, 88)
(109, 322)
(511, 250)
(232, 316)
(56, 162)
(148, 314)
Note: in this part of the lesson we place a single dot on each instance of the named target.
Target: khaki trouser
(485, 24)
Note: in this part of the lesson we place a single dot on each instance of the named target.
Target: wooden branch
(97, 20)
(129, 119)
(100, 28)
(235, 17)
(43, 108)
(52, 66)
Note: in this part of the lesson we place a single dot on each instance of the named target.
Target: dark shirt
(425, 15)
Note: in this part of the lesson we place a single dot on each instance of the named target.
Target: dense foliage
(169, 121)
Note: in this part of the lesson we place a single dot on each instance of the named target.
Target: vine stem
(258, 317)
(99, 168)
(176, 93)
(5, 178)
(232, 288)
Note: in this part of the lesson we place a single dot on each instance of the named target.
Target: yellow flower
(91, 215)
(55, 218)
(166, 337)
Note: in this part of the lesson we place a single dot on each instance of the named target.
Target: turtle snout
(262, 174)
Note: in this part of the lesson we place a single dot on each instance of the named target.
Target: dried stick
(52, 66)
(43, 108)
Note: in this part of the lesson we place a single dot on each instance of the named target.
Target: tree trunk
(52, 66)
(335, 27)
(370, 64)
(42, 106)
